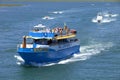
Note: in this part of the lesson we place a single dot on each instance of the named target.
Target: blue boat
(44, 45)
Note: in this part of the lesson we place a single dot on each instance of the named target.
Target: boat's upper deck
(42, 35)
(42, 32)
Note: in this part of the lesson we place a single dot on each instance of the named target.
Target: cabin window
(63, 41)
(29, 41)
(41, 41)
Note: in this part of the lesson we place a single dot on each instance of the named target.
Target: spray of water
(19, 59)
(104, 20)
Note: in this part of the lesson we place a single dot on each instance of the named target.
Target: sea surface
(99, 57)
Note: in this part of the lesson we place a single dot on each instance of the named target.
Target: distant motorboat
(104, 18)
(47, 17)
(99, 18)
(48, 45)
(57, 12)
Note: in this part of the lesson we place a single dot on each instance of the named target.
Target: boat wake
(104, 20)
(57, 12)
(86, 53)
(110, 15)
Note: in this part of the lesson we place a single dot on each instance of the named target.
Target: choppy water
(100, 51)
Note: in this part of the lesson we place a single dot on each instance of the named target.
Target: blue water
(100, 50)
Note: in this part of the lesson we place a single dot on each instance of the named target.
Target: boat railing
(42, 46)
(27, 46)
(31, 46)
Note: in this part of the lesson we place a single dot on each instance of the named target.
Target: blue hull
(47, 56)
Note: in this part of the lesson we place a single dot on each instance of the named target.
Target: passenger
(66, 29)
(55, 30)
(60, 31)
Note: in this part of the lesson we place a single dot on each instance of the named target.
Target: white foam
(105, 20)
(57, 12)
(106, 17)
(48, 18)
(115, 15)
(18, 58)
(110, 15)
(20, 61)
